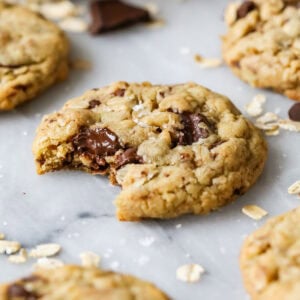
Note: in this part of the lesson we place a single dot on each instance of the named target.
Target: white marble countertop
(76, 209)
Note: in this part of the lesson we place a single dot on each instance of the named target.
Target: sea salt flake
(147, 241)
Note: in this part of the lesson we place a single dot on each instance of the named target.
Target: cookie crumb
(254, 212)
(45, 250)
(255, 107)
(207, 62)
(9, 247)
(190, 273)
(19, 258)
(48, 263)
(89, 259)
(2, 236)
(294, 189)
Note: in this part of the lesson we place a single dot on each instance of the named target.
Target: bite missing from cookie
(262, 45)
(174, 149)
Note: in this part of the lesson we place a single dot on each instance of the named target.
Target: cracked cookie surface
(270, 259)
(173, 149)
(77, 283)
(262, 45)
(33, 56)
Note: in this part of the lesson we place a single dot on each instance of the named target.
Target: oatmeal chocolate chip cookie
(174, 149)
(33, 56)
(262, 45)
(78, 283)
(270, 259)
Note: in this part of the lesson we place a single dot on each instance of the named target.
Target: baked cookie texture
(78, 283)
(262, 45)
(33, 56)
(270, 261)
(174, 149)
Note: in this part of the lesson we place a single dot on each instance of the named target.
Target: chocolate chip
(93, 103)
(191, 131)
(245, 8)
(294, 112)
(120, 92)
(18, 291)
(129, 156)
(97, 143)
(108, 15)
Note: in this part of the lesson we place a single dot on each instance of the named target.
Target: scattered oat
(254, 212)
(273, 132)
(81, 64)
(294, 189)
(207, 62)
(19, 258)
(268, 117)
(58, 10)
(190, 273)
(45, 250)
(289, 125)
(9, 247)
(73, 24)
(90, 259)
(48, 263)
(255, 107)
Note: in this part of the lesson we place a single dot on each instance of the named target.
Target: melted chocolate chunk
(108, 15)
(191, 131)
(294, 112)
(93, 103)
(97, 143)
(129, 156)
(245, 8)
(18, 291)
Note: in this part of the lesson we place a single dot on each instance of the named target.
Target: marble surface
(76, 210)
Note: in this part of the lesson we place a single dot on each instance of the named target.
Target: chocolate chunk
(129, 156)
(93, 103)
(97, 142)
(245, 8)
(108, 15)
(191, 131)
(18, 291)
(294, 112)
(120, 92)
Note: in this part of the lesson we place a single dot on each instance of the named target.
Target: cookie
(33, 56)
(174, 149)
(270, 259)
(74, 283)
(262, 45)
